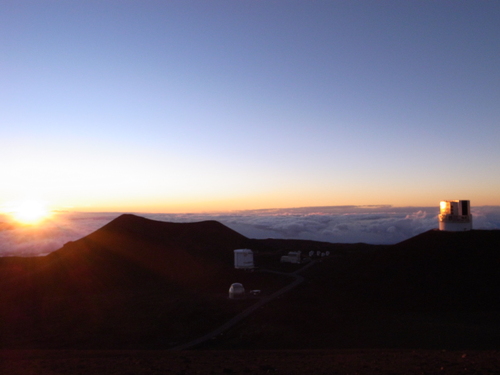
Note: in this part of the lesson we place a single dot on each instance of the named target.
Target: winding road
(230, 323)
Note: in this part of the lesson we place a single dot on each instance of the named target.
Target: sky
(203, 106)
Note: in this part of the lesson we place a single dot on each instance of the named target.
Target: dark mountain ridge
(436, 269)
(139, 283)
(438, 290)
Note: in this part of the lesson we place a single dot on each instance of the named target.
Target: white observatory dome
(236, 291)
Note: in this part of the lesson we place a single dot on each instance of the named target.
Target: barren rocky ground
(117, 300)
(359, 361)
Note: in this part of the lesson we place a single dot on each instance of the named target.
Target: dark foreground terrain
(357, 361)
(118, 299)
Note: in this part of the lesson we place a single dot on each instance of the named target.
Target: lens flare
(29, 212)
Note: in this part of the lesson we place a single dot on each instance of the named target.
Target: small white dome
(236, 290)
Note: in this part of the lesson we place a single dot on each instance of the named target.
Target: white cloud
(51, 235)
(341, 224)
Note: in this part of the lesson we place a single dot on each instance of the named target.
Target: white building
(292, 257)
(243, 258)
(455, 216)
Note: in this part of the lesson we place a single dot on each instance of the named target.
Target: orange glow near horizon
(28, 212)
(214, 206)
(177, 203)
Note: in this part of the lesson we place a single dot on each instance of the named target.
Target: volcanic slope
(143, 284)
(438, 290)
(134, 283)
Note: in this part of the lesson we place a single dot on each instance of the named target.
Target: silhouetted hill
(126, 284)
(139, 283)
(446, 270)
(207, 239)
(436, 290)
(179, 252)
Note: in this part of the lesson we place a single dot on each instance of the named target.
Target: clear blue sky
(185, 106)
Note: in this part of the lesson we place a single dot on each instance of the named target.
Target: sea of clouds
(340, 224)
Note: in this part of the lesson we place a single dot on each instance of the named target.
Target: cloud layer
(16, 240)
(341, 224)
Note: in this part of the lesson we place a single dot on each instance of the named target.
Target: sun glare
(30, 212)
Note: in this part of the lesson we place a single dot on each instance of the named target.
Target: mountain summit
(139, 283)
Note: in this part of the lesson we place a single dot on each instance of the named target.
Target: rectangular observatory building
(243, 259)
(455, 215)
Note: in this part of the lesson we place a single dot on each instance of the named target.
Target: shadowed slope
(139, 283)
(119, 285)
(180, 252)
(436, 290)
(445, 270)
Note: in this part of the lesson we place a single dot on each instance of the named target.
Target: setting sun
(30, 212)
